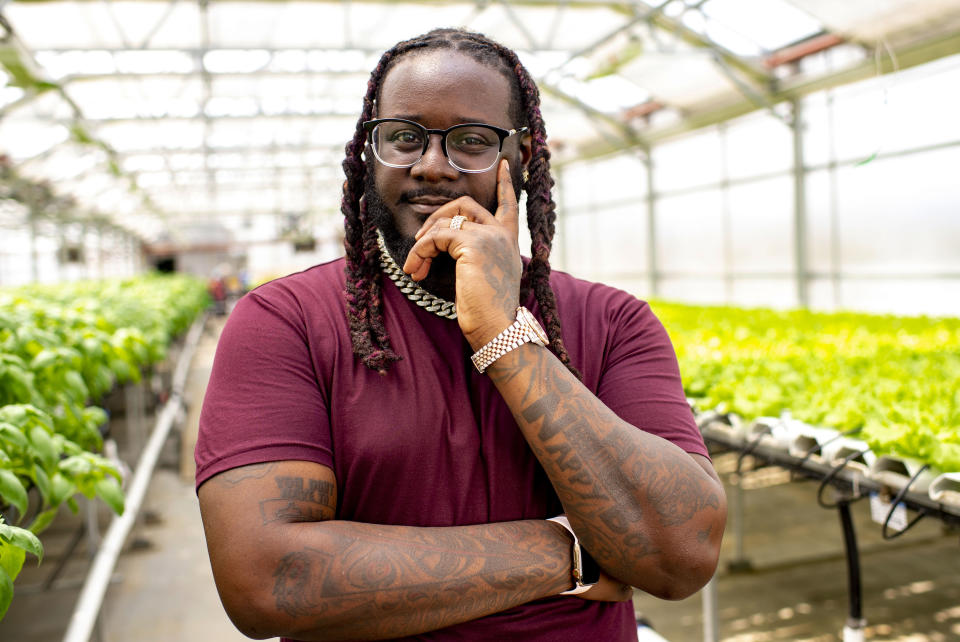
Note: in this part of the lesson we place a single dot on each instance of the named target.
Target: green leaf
(43, 520)
(94, 416)
(43, 359)
(11, 555)
(60, 489)
(42, 480)
(6, 592)
(12, 435)
(13, 491)
(74, 380)
(109, 491)
(44, 446)
(22, 539)
(75, 465)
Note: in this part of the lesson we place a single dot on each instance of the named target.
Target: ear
(526, 149)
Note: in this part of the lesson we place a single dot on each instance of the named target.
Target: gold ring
(457, 221)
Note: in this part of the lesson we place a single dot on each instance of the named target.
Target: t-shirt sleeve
(263, 401)
(640, 378)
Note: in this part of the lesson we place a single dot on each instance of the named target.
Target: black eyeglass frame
(503, 134)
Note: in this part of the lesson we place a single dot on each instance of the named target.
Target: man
(376, 462)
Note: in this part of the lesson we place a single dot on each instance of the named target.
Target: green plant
(895, 378)
(62, 347)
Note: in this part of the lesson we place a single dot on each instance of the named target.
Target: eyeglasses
(470, 147)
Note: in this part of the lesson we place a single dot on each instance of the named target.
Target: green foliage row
(62, 348)
(897, 379)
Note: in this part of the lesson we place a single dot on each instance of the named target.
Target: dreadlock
(363, 277)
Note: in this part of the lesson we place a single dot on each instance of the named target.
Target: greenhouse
(773, 181)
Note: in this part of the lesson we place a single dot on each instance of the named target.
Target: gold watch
(526, 329)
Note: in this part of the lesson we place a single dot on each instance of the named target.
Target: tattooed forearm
(417, 579)
(634, 495)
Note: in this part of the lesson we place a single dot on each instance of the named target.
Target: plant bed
(63, 348)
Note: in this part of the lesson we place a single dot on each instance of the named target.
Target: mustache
(405, 197)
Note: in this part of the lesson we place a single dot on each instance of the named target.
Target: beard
(442, 278)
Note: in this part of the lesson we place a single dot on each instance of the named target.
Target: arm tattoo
(238, 475)
(300, 500)
(436, 576)
(585, 445)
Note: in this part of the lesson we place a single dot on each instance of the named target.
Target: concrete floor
(162, 588)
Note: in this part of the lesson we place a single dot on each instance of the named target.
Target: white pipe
(85, 613)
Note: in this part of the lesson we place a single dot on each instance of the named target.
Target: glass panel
(622, 234)
(619, 178)
(692, 160)
(938, 297)
(758, 144)
(771, 24)
(577, 244)
(702, 290)
(761, 221)
(768, 293)
(689, 233)
(902, 111)
(900, 215)
(820, 234)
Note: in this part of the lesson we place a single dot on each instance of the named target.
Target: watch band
(525, 329)
(577, 557)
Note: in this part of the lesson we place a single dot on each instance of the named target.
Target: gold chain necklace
(409, 287)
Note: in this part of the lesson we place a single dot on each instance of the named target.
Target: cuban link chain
(409, 287)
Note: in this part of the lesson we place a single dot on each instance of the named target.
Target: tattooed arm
(651, 514)
(285, 567)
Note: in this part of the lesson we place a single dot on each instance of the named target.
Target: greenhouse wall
(715, 218)
(49, 252)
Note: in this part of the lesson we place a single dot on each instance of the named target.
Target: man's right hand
(608, 589)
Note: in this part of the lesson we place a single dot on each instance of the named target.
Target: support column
(653, 275)
(561, 223)
(799, 206)
(34, 268)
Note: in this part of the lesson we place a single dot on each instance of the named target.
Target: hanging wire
(750, 447)
(833, 473)
(893, 505)
(886, 87)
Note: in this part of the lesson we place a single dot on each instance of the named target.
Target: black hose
(853, 561)
(893, 506)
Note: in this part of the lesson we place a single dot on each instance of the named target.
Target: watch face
(589, 568)
(534, 325)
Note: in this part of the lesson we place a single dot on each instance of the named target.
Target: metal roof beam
(200, 116)
(902, 58)
(753, 71)
(625, 136)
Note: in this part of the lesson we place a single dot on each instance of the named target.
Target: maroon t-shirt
(431, 443)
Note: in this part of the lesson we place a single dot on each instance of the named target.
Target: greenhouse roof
(148, 115)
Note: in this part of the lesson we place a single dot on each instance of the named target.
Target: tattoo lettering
(547, 408)
(317, 491)
(300, 500)
(565, 457)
